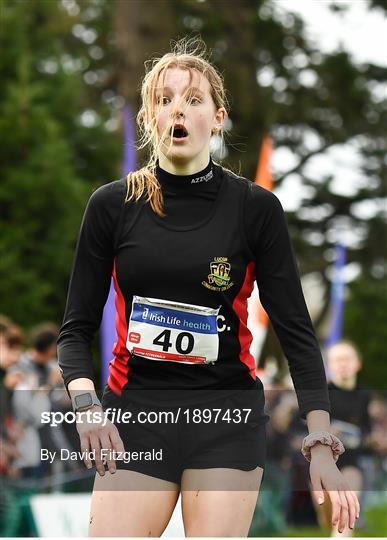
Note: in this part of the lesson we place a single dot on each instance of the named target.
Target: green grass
(375, 525)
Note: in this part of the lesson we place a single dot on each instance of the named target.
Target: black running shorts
(226, 432)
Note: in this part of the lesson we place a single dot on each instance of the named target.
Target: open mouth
(179, 132)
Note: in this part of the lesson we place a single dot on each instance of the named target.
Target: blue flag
(337, 297)
(108, 334)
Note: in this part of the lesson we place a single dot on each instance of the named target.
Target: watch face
(83, 400)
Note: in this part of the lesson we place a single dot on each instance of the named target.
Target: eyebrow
(191, 88)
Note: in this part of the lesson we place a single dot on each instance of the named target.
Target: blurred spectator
(31, 383)
(11, 343)
(378, 437)
(350, 419)
(298, 506)
(40, 375)
(40, 360)
(280, 403)
(4, 325)
(375, 465)
(12, 348)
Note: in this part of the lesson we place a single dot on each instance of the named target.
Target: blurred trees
(68, 64)
(55, 149)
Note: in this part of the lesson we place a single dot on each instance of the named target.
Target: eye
(161, 99)
(193, 99)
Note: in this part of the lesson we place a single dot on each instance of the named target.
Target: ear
(219, 119)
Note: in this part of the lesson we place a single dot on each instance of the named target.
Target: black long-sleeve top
(222, 232)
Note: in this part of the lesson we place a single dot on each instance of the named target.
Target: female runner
(185, 239)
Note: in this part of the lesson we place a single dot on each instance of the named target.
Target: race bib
(173, 331)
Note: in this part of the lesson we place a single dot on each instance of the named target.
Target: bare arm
(318, 421)
(82, 383)
(325, 476)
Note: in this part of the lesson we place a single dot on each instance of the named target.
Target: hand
(95, 436)
(325, 476)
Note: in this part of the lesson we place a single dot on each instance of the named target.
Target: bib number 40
(184, 342)
(169, 331)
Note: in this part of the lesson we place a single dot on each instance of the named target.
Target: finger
(116, 440)
(106, 444)
(336, 506)
(318, 492)
(357, 505)
(350, 496)
(85, 445)
(343, 520)
(94, 441)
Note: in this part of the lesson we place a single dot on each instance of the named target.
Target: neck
(184, 168)
(197, 181)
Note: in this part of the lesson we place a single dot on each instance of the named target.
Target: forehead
(340, 351)
(178, 79)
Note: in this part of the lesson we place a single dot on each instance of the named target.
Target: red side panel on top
(118, 367)
(240, 307)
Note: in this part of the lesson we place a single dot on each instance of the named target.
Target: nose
(177, 111)
(177, 114)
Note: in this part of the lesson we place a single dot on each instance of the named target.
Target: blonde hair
(189, 54)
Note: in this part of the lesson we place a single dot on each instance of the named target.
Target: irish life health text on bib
(173, 331)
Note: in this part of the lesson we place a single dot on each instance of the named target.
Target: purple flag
(108, 334)
(337, 297)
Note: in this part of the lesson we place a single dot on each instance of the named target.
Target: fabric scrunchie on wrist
(323, 437)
